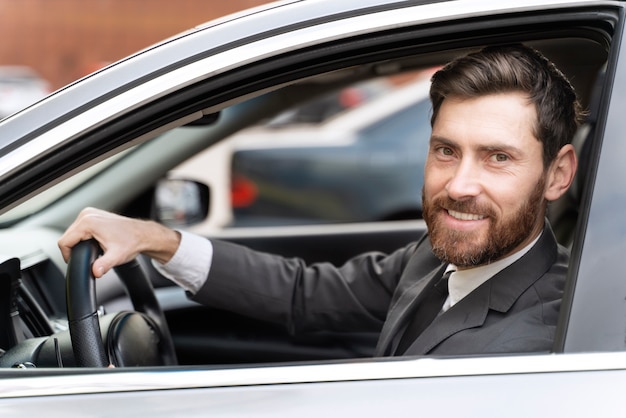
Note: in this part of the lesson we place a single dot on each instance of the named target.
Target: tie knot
(442, 283)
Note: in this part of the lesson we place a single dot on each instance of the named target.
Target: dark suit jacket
(514, 311)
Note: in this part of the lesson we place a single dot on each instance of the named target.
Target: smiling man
(487, 278)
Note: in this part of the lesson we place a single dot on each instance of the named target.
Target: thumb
(100, 267)
(106, 262)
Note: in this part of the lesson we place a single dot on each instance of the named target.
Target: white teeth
(465, 216)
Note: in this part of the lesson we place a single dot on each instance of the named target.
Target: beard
(475, 248)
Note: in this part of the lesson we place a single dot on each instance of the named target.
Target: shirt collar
(462, 282)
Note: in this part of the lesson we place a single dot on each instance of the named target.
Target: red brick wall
(65, 39)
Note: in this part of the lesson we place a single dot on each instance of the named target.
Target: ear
(561, 173)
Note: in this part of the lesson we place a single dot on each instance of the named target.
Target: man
(503, 119)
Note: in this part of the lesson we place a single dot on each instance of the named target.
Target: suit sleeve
(352, 297)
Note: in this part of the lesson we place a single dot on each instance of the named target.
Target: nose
(465, 181)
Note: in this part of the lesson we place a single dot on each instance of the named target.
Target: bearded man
(488, 276)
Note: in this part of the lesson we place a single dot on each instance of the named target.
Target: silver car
(107, 140)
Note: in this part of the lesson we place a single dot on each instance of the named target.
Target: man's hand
(121, 239)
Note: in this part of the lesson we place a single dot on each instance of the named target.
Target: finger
(80, 230)
(69, 240)
(99, 269)
(110, 259)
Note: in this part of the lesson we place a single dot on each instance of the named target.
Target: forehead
(507, 118)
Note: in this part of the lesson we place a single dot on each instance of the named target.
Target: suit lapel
(422, 270)
(401, 311)
(470, 312)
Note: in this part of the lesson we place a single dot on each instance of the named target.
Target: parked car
(20, 86)
(106, 141)
(364, 165)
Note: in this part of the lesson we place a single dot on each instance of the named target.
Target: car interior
(34, 295)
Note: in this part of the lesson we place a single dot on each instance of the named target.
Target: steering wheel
(138, 338)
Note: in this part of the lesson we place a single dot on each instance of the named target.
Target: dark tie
(425, 313)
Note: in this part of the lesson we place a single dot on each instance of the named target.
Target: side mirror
(179, 202)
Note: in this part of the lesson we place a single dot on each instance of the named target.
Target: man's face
(484, 180)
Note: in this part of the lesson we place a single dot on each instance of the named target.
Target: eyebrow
(511, 149)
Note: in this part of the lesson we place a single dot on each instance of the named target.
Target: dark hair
(500, 69)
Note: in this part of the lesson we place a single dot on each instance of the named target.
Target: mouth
(465, 216)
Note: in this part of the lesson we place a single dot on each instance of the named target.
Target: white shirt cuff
(190, 265)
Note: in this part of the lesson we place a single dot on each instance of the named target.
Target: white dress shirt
(190, 265)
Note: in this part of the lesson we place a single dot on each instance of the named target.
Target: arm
(319, 296)
(352, 297)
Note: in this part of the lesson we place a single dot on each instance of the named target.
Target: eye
(499, 157)
(447, 151)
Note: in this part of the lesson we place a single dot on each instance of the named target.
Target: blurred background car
(362, 165)
(20, 86)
